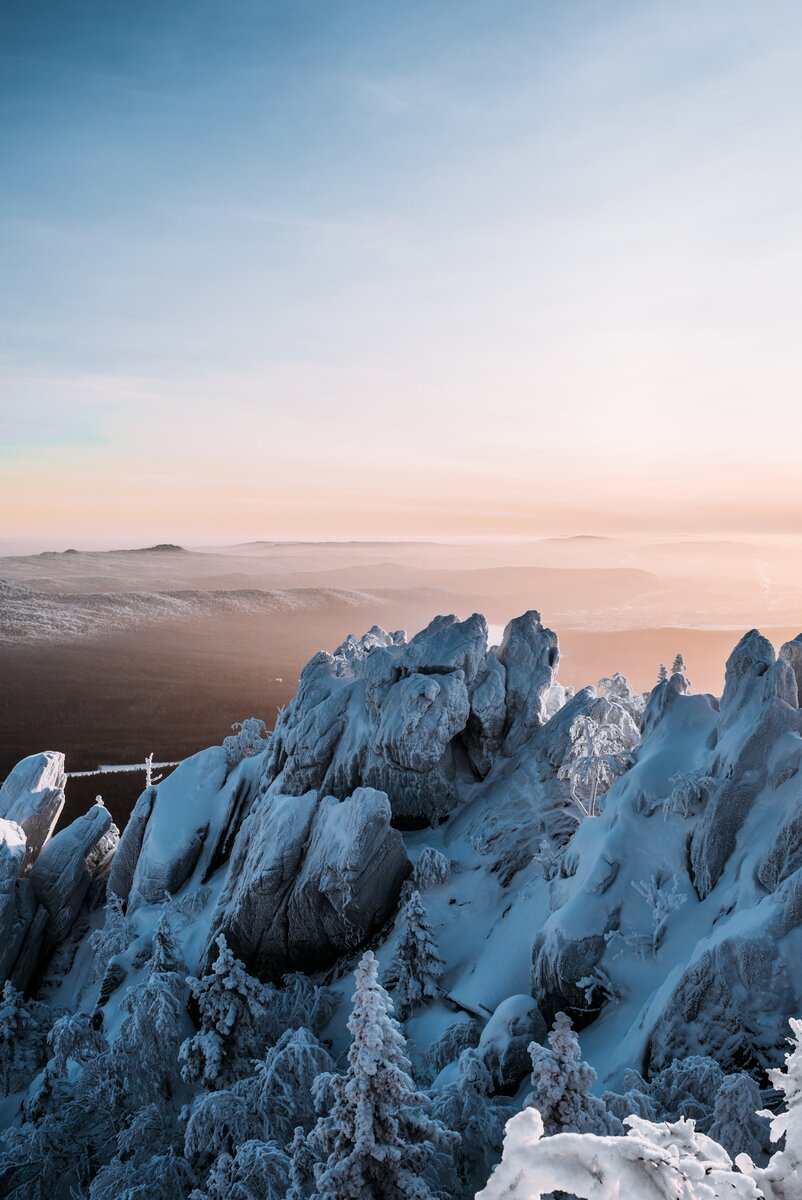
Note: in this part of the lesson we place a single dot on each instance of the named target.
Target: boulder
(64, 870)
(310, 879)
(33, 796)
(530, 655)
(504, 1043)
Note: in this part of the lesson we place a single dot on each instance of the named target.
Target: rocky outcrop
(531, 656)
(792, 653)
(33, 796)
(63, 872)
(397, 716)
(310, 879)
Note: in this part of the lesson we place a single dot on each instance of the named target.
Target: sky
(354, 268)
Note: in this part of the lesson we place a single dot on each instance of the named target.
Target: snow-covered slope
(637, 867)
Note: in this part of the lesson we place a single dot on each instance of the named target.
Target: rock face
(402, 717)
(530, 654)
(33, 796)
(310, 878)
(62, 873)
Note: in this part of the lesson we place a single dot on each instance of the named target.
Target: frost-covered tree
(782, 1178)
(114, 937)
(547, 860)
(280, 1089)
(678, 665)
(465, 1105)
(459, 1036)
(24, 1026)
(299, 1004)
(302, 1166)
(144, 1056)
(249, 737)
(257, 1171)
(217, 1123)
(600, 752)
(431, 868)
(652, 1162)
(662, 674)
(561, 1083)
(378, 1139)
(417, 965)
(230, 1007)
(736, 1125)
(148, 1164)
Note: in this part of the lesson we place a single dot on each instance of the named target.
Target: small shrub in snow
(662, 900)
(461, 1035)
(547, 860)
(561, 1084)
(417, 965)
(249, 737)
(431, 868)
(689, 790)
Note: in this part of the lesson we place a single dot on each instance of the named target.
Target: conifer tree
(230, 1005)
(144, 1057)
(378, 1140)
(23, 1037)
(418, 965)
(561, 1084)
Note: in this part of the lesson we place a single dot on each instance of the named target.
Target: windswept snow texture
(665, 926)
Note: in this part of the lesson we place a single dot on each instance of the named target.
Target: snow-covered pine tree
(662, 674)
(280, 1090)
(148, 1162)
(561, 1083)
(144, 1056)
(24, 1025)
(114, 937)
(736, 1125)
(378, 1141)
(302, 1166)
(465, 1105)
(231, 1011)
(782, 1178)
(257, 1171)
(417, 965)
(678, 665)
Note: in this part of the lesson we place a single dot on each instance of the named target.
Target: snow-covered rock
(62, 873)
(33, 796)
(310, 878)
(504, 1044)
(530, 654)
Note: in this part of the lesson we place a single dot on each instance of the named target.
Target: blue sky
(357, 268)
